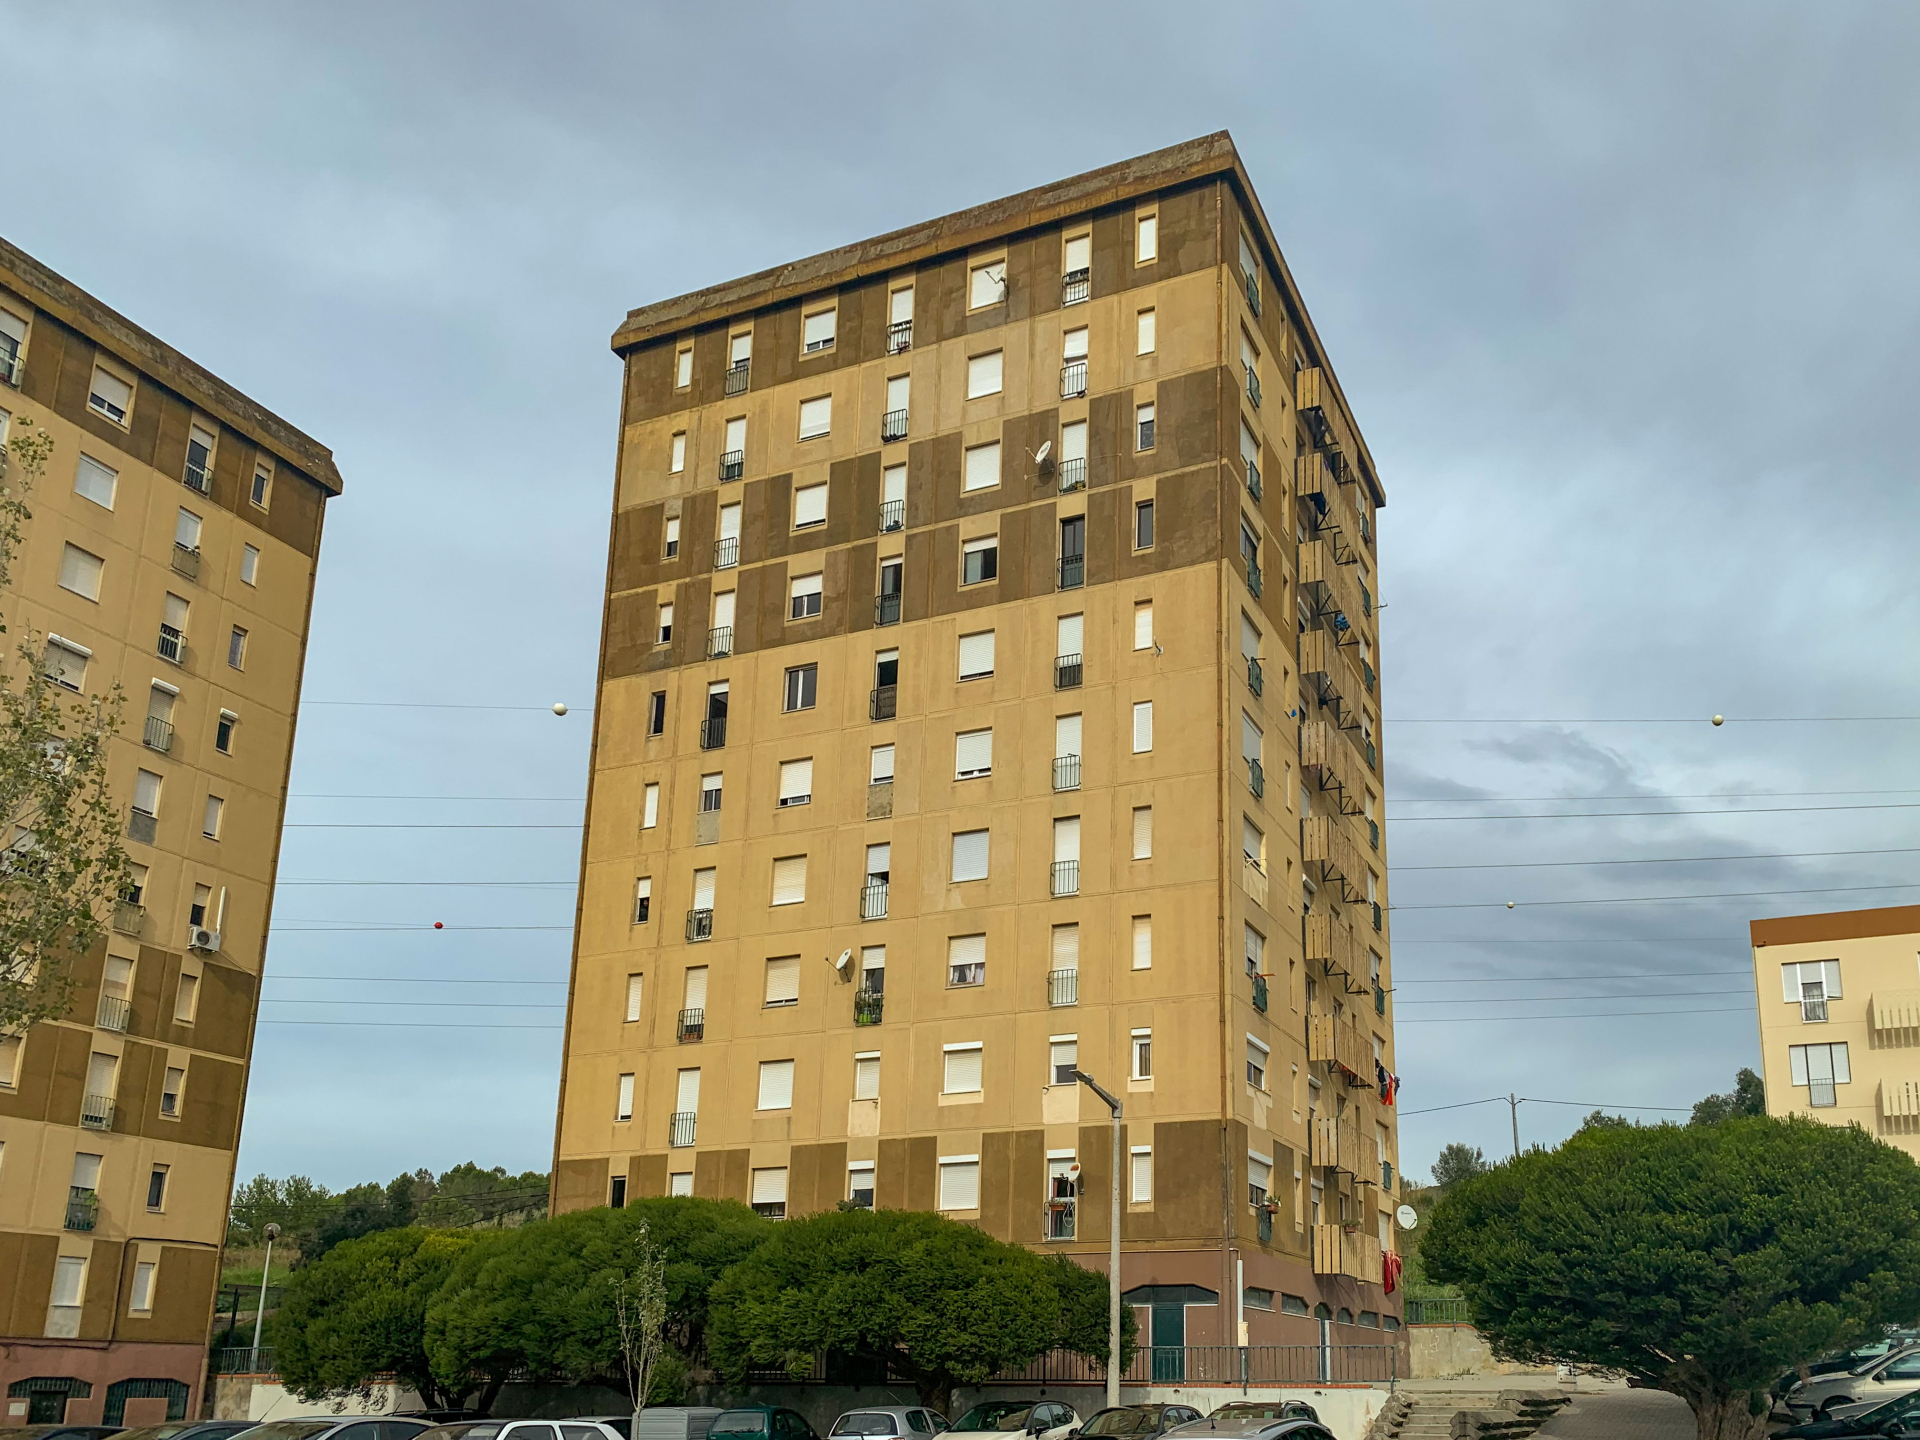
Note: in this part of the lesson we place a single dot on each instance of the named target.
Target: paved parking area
(1623, 1415)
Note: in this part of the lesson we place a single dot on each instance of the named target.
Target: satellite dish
(1040, 455)
(1408, 1217)
(841, 963)
(1073, 1171)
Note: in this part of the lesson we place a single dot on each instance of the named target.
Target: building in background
(172, 552)
(1840, 1018)
(989, 691)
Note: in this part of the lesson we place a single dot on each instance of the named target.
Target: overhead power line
(1551, 999)
(1656, 899)
(1637, 814)
(411, 980)
(1548, 940)
(1578, 1015)
(426, 1004)
(1644, 795)
(1657, 860)
(1535, 1100)
(414, 1024)
(1670, 720)
(1559, 979)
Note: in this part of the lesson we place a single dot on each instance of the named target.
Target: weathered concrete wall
(1441, 1352)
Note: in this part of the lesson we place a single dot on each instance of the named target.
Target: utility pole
(260, 1311)
(1113, 1246)
(1513, 1105)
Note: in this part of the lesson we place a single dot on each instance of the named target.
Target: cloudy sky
(1624, 296)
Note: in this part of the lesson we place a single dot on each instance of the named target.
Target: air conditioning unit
(200, 938)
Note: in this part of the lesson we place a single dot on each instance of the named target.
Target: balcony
(1253, 480)
(1308, 388)
(1373, 756)
(713, 732)
(737, 373)
(899, 337)
(1346, 1250)
(719, 642)
(1073, 380)
(1060, 1224)
(1256, 677)
(172, 645)
(1073, 474)
(1890, 1012)
(113, 1013)
(886, 610)
(186, 560)
(1263, 1225)
(726, 552)
(1253, 387)
(1076, 286)
(893, 516)
(868, 1006)
(1064, 877)
(13, 365)
(1253, 880)
(1376, 925)
(680, 1127)
(1336, 1145)
(1329, 945)
(1337, 1040)
(1066, 672)
(1073, 571)
(1326, 844)
(883, 702)
(1256, 778)
(1260, 993)
(1366, 601)
(197, 477)
(141, 826)
(1253, 578)
(158, 734)
(699, 925)
(83, 1208)
(1379, 998)
(130, 917)
(692, 1026)
(733, 465)
(1063, 987)
(1066, 772)
(873, 899)
(1373, 834)
(96, 1112)
(893, 426)
(1253, 295)
(1367, 677)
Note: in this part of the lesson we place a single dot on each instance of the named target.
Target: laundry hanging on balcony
(1389, 1271)
(1388, 1081)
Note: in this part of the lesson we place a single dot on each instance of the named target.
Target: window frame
(806, 680)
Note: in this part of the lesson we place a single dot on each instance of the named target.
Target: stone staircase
(1464, 1414)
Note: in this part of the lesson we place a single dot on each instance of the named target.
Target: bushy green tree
(1699, 1259)
(1458, 1162)
(936, 1301)
(1749, 1097)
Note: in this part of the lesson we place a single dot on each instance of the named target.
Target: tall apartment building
(988, 691)
(172, 552)
(1839, 998)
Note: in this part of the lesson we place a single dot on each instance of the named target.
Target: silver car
(1870, 1383)
(1003, 1419)
(889, 1422)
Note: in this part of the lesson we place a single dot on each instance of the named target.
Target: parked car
(337, 1427)
(1835, 1361)
(664, 1422)
(1138, 1421)
(1882, 1379)
(529, 1429)
(188, 1430)
(1048, 1419)
(890, 1422)
(1899, 1416)
(63, 1432)
(761, 1422)
(1266, 1410)
(1254, 1427)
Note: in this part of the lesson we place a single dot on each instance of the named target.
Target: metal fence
(243, 1360)
(1443, 1310)
(1219, 1365)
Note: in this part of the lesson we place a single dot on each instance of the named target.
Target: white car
(1001, 1419)
(1870, 1383)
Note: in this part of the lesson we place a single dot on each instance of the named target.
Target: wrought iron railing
(873, 899)
(1256, 778)
(868, 1006)
(1073, 571)
(680, 1128)
(726, 552)
(1073, 379)
(1249, 1365)
(713, 732)
(83, 1208)
(1066, 672)
(1373, 834)
(197, 477)
(1076, 286)
(172, 644)
(882, 702)
(1253, 577)
(893, 516)
(719, 642)
(1063, 987)
(1253, 480)
(1066, 772)
(1376, 914)
(899, 336)
(1253, 294)
(1813, 1011)
(733, 464)
(1065, 877)
(243, 1360)
(893, 426)
(1256, 677)
(886, 609)
(737, 376)
(1441, 1310)
(1367, 677)
(1260, 993)
(1073, 474)
(1253, 387)
(1379, 999)
(692, 1025)
(113, 1012)
(158, 734)
(699, 925)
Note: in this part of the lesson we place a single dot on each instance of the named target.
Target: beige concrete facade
(1181, 675)
(191, 590)
(1839, 998)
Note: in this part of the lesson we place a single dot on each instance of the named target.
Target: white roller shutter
(1066, 838)
(959, 1184)
(816, 331)
(634, 984)
(816, 417)
(879, 859)
(1071, 635)
(729, 522)
(1142, 727)
(1143, 942)
(972, 754)
(1249, 639)
(1252, 843)
(897, 392)
(1073, 345)
(686, 1095)
(739, 348)
(1079, 254)
(810, 505)
(1142, 832)
(796, 781)
(900, 305)
(970, 855)
(963, 1071)
(881, 767)
(1066, 947)
(790, 880)
(723, 610)
(976, 655)
(982, 467)
(770, 1187)
(783, 981)
(866, 1077)
(776, 1086)
(1066, 736)
(1143, 626)
(695, 995)
(736, 434)
(893, 484)
(703, 889)
(987, 285)
(1249, 737)
(1073, 441)
(965, 950)
(1146, 245)
(80, 571)
(623, 1108)
(984, 374)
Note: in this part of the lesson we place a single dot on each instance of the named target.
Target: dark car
(337, 1427)
(188, 1430)
(517, 1429)
(1255, 1427)
(1897, 1417)
(1139, 1421)
(761, 1422)
(64, 1432)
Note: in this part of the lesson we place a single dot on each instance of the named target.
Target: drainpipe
(1113, 1246)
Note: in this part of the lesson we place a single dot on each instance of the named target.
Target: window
(223, 732)
(680, 1183)
(1248, 266)
(262, 484)
(987, 284)
(804, 597)
(13, 338)
(981, 469)
(109, 395)
(650, 806)
(1143, 625)
(1143, 942)
(733, 456)
(873, 958)
(1255, 945)
(146, 792)
(1253, 844)
(972, 754)
(1140, 1187)
(1063, 1052)
(623, 1104)
(810, 506)
(210, 821)
(1067, 636)
(1143, 832)
(157, 1188)
(1259, 1178)
(1146, 239)
(817, 330)
(893, 498)
(1142, 726)
(672, 537)
(80, 572)
(816, 417)
(1259, 1299)
(980, 560)
(96, 482)
(666, 625)
(712, 789)
(790, 880)
(677, 453)
(657, 713)
(186, 999)
(10, 1047)
(1820, 1068)
(1143, 525)
(960, 1181)
(985, 374)
(249, 565)
(803, 687)
(796, 783)
(1256, 1064)
(962, 1068)
(1143, 427)
(1143, 333)
(1142, 1051)
(172, 1086)
(683, 367)
(880, 766)
(635, 985)
(969, 855)
(976, 655)
(186, 530)
(237, 648)
(776, 1085)
(1810, 985)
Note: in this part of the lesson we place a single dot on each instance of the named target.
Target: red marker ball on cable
(438, 926)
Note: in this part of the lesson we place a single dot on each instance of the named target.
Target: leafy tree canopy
(1458, 1162)
(935, 1300)
(1699, 1259)
(313, 1219)
(1749, 1097)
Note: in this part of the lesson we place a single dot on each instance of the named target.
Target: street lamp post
(260, 1312)
(1113, 1245)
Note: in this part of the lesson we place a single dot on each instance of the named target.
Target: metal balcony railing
(893, 516)
(1066, 672)
(1073, 474)
(172, 645)
(1060, 1220)
(1386, 1175)
(1145, 439)
(1063, 987)
(141, 826)
(1253, 577)
(1253, 480)
(882, 702)
(113, 1013)
(83, 1208)
(719, 642)
(692, 1025)
(1073, 380)
(893, 426)
(1379, 999)
(1373, 756)
(873, 899)
(1367, 677)
(1076, 286)
(886, 609)
(733, 464)
(899, 336)
(713, 732)
(1066, 772)
(680, 1128)
(96, 1112)
(1373, 834)
(1375, 906)
(1813, 1011)
(1256, 778)
(699, 925)
(1263, 1226)
(737, 376)
(1256, 677)
(129, 917)
(1821, 1094)
(1065, 877)
(1253, 387)
(186, 560)
(868, 1006)
(197, 477)
(158, 734)
(1253, 294)
(1260, 993)
(12, 365)
(1366, 601)
(726, 553)
(1073, 571)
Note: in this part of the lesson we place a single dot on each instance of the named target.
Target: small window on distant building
(817, 330)
(110, 395)
(249, 565)
(683, 367)
(987, 285)
(262, 485)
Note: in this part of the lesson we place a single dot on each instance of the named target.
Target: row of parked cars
(990, 1420)
(1871, 1391)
